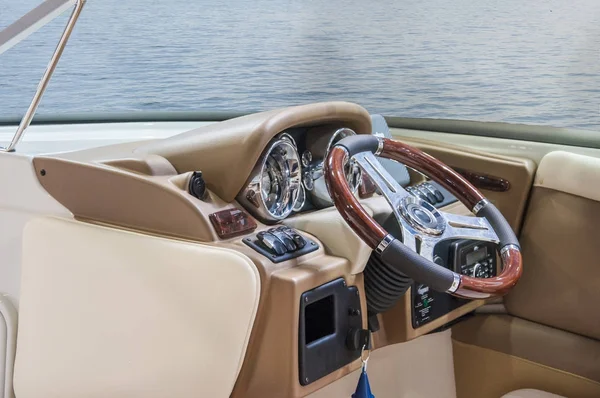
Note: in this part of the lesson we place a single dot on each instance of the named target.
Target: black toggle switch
(299, 241)
(357, 339)
(272, 243)
(353, 312)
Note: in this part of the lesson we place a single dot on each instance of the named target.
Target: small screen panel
(476, 256)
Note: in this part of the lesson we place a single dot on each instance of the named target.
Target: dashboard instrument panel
(288, 177)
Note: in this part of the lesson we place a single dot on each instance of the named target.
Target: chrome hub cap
(422, 216)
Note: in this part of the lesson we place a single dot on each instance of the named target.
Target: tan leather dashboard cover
(143, 186)
(226, 152)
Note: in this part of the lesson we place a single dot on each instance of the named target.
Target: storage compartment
(328, 314)
(319, 319)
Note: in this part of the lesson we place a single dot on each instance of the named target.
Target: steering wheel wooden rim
(378, 238)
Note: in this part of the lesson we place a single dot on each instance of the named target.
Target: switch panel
(281, 244)
(467, 257)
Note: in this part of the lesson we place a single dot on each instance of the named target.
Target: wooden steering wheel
(422, 225)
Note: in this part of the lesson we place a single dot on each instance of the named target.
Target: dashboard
(265, 172)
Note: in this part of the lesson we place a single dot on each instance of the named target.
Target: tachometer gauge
(273, 189)
(319, 144)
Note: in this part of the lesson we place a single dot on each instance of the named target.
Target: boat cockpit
(276, 254)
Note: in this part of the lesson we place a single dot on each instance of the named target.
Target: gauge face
(313, 178)
(280, 179)
(306, 158)
(353, 172)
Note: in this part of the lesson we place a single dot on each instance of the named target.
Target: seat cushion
(530, 393)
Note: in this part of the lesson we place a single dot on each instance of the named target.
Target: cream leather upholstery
(111, 313)
(570, 173)
(530, 393)
(21, 198)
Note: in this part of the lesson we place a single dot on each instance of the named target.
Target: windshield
(533, 62)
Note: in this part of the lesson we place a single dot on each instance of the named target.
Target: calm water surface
(535, 61)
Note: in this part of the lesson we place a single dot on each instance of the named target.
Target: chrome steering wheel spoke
(387, 185)
(468, 227)
(393, 192)
(422, 225)
(458, 227)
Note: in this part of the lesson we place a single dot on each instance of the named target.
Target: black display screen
(476, 256)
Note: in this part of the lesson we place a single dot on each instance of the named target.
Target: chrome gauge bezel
(253, 196)
(337, 136)
(313, 178)
(353, 172)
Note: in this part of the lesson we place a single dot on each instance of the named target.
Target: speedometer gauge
(275, 182)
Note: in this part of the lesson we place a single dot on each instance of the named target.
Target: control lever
(272, 243)
(296, 237)
(287, 240)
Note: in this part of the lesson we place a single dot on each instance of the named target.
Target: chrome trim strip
(508, 247)
(43, 84)
(479, 205)
(385, 242)
(455, 283)
(379, 146)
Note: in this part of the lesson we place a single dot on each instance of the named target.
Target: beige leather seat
(530, 393)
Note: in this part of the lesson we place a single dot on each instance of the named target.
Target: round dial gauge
(353, 171)
(280, 179)
(319, 144)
